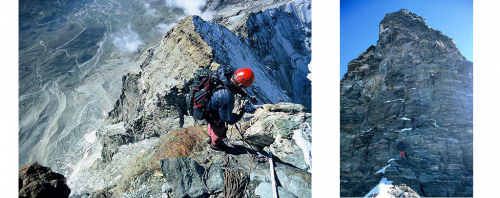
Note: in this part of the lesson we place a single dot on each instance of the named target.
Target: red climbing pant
(216, 134)
(402, 154)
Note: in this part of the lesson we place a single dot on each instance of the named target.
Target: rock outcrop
(153, 97)
(412, 72)
(180, 163)
(36, 180)
(233, 14)
(149, 146)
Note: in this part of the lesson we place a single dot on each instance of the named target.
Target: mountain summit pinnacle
(413, 85)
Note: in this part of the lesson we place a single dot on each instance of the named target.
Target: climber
(221, 106)
(413, 123)
(401, 148)
(433, 78)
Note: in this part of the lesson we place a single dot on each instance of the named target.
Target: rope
(235, 183)
(205, 176)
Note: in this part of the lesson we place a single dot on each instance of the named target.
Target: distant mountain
(129, 93)
(412, 72)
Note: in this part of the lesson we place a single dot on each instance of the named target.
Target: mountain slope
(413, 72)
(149, 121)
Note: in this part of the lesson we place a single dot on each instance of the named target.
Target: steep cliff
(152, 101)
(412, 72)
(148, 142)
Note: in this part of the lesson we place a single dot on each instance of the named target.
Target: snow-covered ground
(382, 190)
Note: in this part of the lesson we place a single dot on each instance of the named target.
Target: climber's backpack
(204, 85)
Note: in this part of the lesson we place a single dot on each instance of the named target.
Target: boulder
(36, 180)
(183, 177)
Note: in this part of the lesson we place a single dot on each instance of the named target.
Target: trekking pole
(273, 179)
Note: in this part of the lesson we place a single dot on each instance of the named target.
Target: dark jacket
(401, 146)
(221, 103)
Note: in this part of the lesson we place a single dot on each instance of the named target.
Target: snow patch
(435, 124)
(404, 118)
(382, 170)
(399, 99)
(383, 189)
(305, 145)
(405, 129)
(91, 136)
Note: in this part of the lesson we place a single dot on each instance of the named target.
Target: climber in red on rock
(401, 148)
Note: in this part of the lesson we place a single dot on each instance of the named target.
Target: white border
(325, 68)
(9, 98)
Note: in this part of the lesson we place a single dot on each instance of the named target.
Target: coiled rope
(235, 183)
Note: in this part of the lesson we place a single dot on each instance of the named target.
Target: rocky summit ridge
(414, 71)
(148, 145)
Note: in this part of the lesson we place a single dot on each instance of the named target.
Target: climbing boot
(220, 147)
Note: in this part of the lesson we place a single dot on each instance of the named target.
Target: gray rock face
(277, 47)
(188, 164)
(149, 121)
(265, 190)
(183, 177)
(233, 14)
(414, 71)
(153, 97)
(284, 128)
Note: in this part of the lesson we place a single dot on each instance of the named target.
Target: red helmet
(403, 140)
(244, 76)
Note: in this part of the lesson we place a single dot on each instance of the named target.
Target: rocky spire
(412, 72)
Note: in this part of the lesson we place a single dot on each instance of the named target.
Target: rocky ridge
(180, 163)
(412, 72)
(233, 14)
(149, 131)
(153, 97)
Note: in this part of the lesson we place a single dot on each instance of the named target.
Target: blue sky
(359, 20)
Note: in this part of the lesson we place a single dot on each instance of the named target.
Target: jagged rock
(152, 101)
(294, 180)
(112, 137)
(285, 129)
(134, 166)
(39, 181)
(149, 122)
(265, 190)
(215, 179)
(389, 84)
(277, 48)
(233, 14)
(183, 177)
(153, 98)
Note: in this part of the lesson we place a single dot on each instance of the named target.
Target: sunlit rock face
(413, 71)
(180, 163)
(152, 107)
(73, 56)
